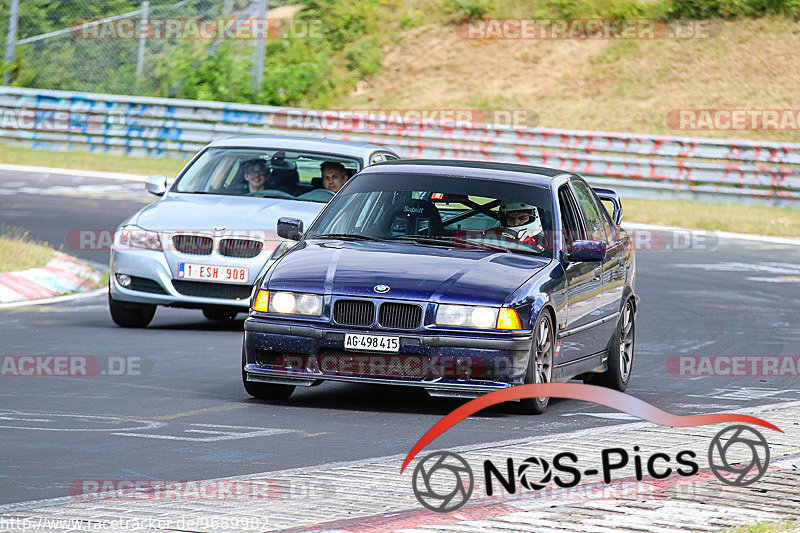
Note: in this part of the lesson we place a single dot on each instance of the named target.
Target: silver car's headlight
(467, 316)
(295, 303)
(136, 237)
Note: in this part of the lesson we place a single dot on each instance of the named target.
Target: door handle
(598, 273)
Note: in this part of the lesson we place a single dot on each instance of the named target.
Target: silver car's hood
(194, 212)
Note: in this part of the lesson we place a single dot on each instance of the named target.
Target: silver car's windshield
(268, 173)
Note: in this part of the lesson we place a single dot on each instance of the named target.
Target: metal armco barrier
(638, 165)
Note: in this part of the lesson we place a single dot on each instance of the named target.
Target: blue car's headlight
(467, 316)
(289, 303)
(136, 237)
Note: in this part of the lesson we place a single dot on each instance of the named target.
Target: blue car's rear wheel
(540, 362)
(620, 352)
(264, 391)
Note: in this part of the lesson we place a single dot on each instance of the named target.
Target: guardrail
(638, 165)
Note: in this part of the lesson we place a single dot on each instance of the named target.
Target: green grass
(19, 252)
(718, 217)
(789, 526)
(18, 155)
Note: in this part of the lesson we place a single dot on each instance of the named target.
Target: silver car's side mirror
(156, 185)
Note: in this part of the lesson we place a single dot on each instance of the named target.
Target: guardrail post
(142, 40)
(11, 40)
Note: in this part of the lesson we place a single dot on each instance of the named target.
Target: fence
(110, 46)
(636, 165)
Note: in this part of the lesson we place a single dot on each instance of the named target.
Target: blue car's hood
(412, 272)
(205, 211)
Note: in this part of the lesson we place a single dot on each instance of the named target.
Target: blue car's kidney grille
(399, 316)
(240, 248)
(193, 244)
(354, 312)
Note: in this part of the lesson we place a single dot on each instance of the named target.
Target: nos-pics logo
(738, 455)
(444, 481)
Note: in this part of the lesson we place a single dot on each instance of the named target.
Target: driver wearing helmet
(518, 222)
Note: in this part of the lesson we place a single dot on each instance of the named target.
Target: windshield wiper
(346, 237)
(481, 245)
(449, 242)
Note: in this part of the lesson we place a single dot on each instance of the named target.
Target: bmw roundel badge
(381, 288)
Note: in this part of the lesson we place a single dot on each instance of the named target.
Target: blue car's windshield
(267, 173)
(441, 211)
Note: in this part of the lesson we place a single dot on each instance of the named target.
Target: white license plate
(200, 272)
(375, 343)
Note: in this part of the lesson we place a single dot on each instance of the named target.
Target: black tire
(223, 314)
(540, 363)
(620, 352)
(130, 315)
(264, 391)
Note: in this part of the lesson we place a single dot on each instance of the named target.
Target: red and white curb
(62, 275)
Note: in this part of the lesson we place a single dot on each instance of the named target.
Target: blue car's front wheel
(540, 362)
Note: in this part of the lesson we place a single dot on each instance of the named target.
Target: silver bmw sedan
(206, 241)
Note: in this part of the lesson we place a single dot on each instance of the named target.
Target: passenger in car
(333, 175)
(255, 174)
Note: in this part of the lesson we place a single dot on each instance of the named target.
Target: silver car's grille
(354, 312)
(202, 289)
(146, 285)
(245, 248)
(399, 315)
(193, 244)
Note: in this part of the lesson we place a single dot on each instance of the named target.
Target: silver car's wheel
(264, 391)
(220, 313)
(130, 315)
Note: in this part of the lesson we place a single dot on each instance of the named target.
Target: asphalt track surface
(184, 414)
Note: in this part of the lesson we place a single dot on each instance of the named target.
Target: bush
(223, 75)
(471, 9)
(297, 73)
(705, 9)
(364, 56)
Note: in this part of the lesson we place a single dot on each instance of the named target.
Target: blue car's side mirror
(290, 228)
(588, 251)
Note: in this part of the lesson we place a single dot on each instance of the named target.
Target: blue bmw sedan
(457, 277)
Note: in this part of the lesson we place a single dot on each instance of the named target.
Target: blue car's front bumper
(444, 363)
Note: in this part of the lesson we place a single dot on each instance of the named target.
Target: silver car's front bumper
(155, 281)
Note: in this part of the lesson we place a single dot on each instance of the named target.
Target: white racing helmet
(532, 227)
